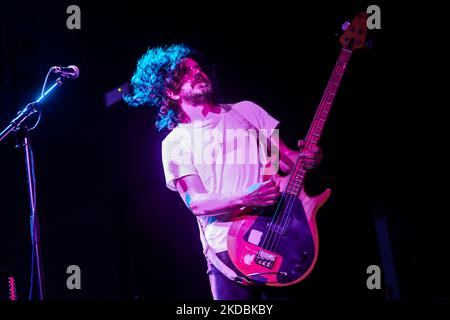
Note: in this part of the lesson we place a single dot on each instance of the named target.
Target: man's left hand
(311, 157)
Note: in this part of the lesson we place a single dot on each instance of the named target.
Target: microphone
(70, 72)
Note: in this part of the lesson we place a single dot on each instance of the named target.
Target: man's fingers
(301, 143)
(309, 164)
(273, 194)
(309, 155)
(273, 191)
(270, 191)
(268, 183)
(314, 148)
(270, 202)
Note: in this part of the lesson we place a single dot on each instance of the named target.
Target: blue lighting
(46, 92)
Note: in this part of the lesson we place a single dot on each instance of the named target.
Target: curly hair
(158, 70)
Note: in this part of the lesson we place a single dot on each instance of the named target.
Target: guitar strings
(268, 237)
(285, 218)
(308, 144)
(284, 204)
(337, 73)
(281, 205)
(288, 204)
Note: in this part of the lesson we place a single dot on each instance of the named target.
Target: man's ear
(172, 95)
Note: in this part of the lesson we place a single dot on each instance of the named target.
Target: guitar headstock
(354, 36)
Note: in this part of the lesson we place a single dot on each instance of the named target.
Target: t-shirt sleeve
(177, 159)
(266, 120)
(257, 116)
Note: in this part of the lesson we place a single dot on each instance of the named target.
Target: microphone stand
(25, 142)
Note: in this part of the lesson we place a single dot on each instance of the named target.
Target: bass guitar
(279, 245)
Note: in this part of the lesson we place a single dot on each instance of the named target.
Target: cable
(37, 121)
(42, 93)
(45, 82)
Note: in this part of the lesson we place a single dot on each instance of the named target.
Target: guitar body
(277, 253)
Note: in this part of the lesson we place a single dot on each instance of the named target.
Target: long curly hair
(158, 70)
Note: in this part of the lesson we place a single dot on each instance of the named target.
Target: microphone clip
(70, 72)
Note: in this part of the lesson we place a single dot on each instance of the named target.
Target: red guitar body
(262, 249)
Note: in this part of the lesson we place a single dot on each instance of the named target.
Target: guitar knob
(345, 25)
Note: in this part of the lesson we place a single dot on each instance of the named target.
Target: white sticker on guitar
(255, 237)
(248, 258)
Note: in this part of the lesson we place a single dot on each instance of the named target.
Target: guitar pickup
(265, 259)
(278, 228)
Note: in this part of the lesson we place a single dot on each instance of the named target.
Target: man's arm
(311, 157)
(202, 203)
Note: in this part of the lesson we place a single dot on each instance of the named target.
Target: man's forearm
(214, 204)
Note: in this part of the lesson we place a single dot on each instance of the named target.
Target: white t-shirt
(223, 153)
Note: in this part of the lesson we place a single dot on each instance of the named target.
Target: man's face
(195, 84)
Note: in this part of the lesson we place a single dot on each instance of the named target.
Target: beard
(199, 93)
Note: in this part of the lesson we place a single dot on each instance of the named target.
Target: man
(203, 161)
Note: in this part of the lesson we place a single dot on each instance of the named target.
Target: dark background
(102, 200)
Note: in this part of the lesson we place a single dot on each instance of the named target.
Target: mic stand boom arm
(28, 111)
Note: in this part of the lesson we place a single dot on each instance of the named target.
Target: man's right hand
(261, 194)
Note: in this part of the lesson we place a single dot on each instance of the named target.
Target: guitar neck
(321, 116)
(315, 131)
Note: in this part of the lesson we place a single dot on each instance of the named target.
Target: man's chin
(204, 87)
(204, 92)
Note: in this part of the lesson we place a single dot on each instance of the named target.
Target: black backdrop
(102, 199)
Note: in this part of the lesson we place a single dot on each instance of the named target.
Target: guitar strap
(247, 124)
(212, 257)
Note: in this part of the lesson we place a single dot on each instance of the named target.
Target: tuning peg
(345, 25)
